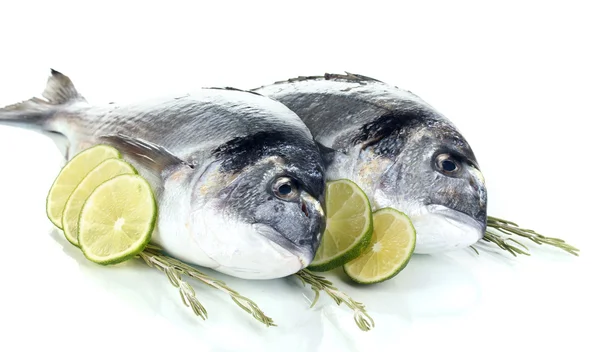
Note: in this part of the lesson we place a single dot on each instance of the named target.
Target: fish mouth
(442, 229)
(284, 245)
(457, 216)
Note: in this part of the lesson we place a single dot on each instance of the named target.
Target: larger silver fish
(399, 149)
(237, 176)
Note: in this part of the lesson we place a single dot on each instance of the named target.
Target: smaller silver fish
(238, 177)
(401, 151)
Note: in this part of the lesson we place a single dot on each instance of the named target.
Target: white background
(520, 79)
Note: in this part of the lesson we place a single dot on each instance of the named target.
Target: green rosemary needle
(319, 283)
(504, 243)
(174, 268)
(506, 227)
(187, 293)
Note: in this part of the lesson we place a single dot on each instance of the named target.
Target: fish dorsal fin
(235, 89)
(60, 89)
(150, 155)
(347, 77)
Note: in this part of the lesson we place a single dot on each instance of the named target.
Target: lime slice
(71, 175)
(349, 225)
(105, 171)
(390, 250)
(117, 220)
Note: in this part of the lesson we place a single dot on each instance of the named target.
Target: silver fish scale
(180, 124)
(334, 105)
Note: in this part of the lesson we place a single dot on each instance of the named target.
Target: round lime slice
(117, 220)
(389, 251)
(71, 175)
(349, 225)
(107, 170)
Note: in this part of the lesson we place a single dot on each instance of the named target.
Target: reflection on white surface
(430, 286)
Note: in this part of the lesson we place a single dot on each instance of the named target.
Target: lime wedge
(117, 220)
(349, 225)
(71, 175)
(390, 250)
(105, 171)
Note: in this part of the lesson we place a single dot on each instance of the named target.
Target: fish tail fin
(35, 112)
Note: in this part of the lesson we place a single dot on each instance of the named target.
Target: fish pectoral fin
(327, 154)
(150, 155)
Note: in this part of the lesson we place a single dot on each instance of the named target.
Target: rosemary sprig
(505, 244)
(510, 228)
(187, 293)
(319, 283)
(174, 268)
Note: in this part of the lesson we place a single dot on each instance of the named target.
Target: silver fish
(237, 177)
(399, 149)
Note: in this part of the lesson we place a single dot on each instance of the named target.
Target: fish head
(264, 218)
(435, 179)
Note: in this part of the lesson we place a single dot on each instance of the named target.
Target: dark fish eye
(285, 188)
(446, 164)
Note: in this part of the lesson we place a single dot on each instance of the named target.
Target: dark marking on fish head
(387, 134)
(431, 164)
(279, 183)
(298, 155)
(435, 166)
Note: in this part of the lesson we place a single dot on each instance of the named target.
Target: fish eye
(285, 188)
(446, 164)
